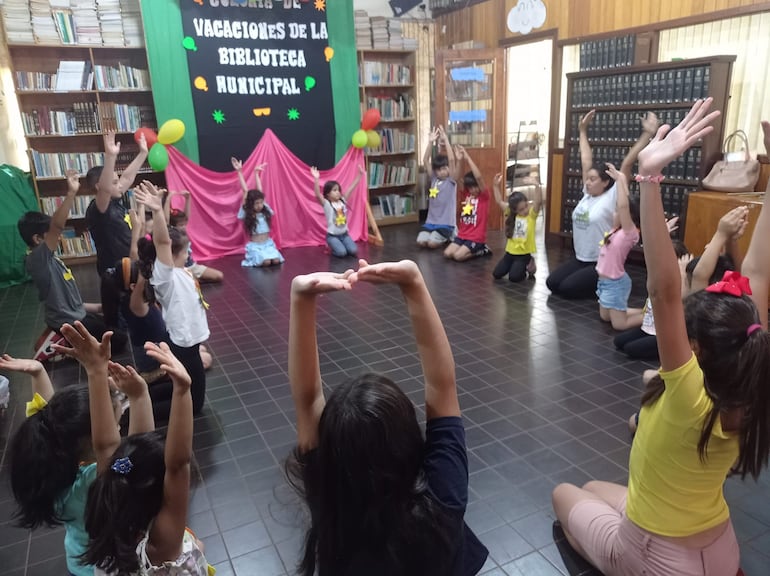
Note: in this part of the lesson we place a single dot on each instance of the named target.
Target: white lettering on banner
(319, 34)
(206, 28)
(258, 85)
(236, 4)
(267, 57)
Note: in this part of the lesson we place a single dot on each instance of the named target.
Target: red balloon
(371, 119)
(149, 136)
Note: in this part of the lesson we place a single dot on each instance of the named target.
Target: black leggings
(96, 326)
(637, 344)
(574, 280)
(191, 359)
(515, 265)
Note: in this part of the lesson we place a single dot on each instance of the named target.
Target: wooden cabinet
(621, 96)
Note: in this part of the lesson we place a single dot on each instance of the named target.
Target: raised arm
(317, 184)
(238, 167)
(663, 279)
(732, 223)
(128, 381)
(586, 156)
(129, 174)
(649, 127)
(41, 383)
(462, 154)
(148, 195)
(756, 265)
(59, 218)
(257, 180)
(426, 157)
(361, 171)
(432, 343)
(621, 202)
(94, 356)
(137, 230)
(304, 367)
(136, 303)
(499, 198)
(450, 154)
(104, 186)
(169, 525)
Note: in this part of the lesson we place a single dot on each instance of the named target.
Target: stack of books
(125, 117)
(396, 40)
(87, 28)
(79, 118)
(411, 43)
(17, 22)
(132, 22)
(380, 37)
(48, 165)
(121, 78)
(48, 28)
(73, 76)
(110, 22)
(363, 30)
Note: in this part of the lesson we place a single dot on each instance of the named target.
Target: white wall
(382, 8)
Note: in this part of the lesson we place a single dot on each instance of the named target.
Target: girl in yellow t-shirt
(710, 411)
(520, 222)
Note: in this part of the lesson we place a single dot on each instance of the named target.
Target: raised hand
(110, 146)
(142, 144)
(321, 282)
(669, 144)
(26, 365)
(766, 131)
(84, 348)
(73, 182)
(672, 224)
(259, 167)
(650, 123)
(460, 152)
(361, 169)
(434, 135)
(733, 224)
(401, 273)
(586, 120)
(315, 173)
(498, 180)
(614, 173)
(146, 193)
(169, 363)
(237, 164)
(127, 380)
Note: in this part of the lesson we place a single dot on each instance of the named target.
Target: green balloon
(158, 157)
(359, 139)
(189, 43)
(309, 83)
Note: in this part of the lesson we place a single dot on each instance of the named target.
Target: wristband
(654, 179)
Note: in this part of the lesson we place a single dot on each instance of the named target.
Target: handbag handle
(737, 134)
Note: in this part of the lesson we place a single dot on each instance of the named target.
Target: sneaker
(483, 250)
(44, 351)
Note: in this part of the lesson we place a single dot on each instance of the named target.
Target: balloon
(201, 84)
(359, 139)
(189, 43)
(371, 119)
(158, 157)
(372, 139)
(149, 136)
(171, 131)
(309, 83)
(328, 53)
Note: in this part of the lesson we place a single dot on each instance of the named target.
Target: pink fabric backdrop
(288, 186)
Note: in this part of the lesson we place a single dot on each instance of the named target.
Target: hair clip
(148, 237)
(122, 465)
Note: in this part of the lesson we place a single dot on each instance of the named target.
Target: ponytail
(510, 221)
(147, 255)
(44, 456)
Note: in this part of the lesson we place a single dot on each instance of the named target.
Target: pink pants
(618, 547)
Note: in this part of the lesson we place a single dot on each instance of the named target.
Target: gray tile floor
(544, 395)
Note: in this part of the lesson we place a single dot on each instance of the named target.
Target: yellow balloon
(372, 139)
(172, 131)
(200, 84)
(329, 53)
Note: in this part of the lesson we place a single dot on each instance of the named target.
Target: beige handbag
(733, 175)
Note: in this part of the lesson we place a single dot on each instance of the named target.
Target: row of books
(380, 33)
(386, 205)
(50, 204)
(392, 107)
(610, 53)
(392, 174)
(622, 126)
(79, 118)
(74, 245)
(664, 86)
(121, 77)
(393, 141)
(376, 73)
(126, 117)
(55, 165)
(685, 167)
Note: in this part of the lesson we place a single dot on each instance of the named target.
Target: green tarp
(16, 197)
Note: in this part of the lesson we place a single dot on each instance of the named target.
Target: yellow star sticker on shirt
(68, 275)
(467, 209)
(340, 220)
(127, 220)
(433, 192)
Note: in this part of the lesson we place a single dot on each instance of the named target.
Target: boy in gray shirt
(439, 227)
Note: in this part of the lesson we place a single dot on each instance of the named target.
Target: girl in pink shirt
(614, 286)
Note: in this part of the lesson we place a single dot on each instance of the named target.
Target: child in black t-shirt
(382, 499)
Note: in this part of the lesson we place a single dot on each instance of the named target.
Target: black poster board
(258, 64)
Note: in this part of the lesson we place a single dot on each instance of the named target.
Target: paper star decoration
(218, 116)
(127, 220)
(467, 209)
(293, 114)
(433, 192)
(320, 5)
(340, 220)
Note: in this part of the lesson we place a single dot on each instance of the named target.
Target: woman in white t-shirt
(593, 216)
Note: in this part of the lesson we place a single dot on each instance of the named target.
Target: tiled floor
(544, 395)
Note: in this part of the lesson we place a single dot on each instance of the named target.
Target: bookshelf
(69, 97)
(620, 96)
(387, 82)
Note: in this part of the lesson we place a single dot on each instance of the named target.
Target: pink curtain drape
(288, 186)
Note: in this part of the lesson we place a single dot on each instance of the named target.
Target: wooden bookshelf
(118, 97)
(387, 82)
(621, 96)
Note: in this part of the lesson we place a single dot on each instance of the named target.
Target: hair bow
(35, 405)
(732, 283)
(122, 465)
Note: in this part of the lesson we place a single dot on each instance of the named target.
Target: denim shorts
(613, 294)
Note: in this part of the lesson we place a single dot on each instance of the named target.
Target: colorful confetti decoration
(218, 116)
(293, 114)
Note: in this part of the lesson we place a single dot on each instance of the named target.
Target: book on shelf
(74, 245)
(126, 117)
(110, 22)
(44, 24)
(387, 205)
(18, 21)
(55, 165)
(65, 26)
(86, 22)
(391, 174)
(376, 73)
(363, 29)
(50, 204)
(122, 77)
(74, 76)
(79, 118)
(380, 36)
(131, 19)
(393, 141)
(392, 106)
